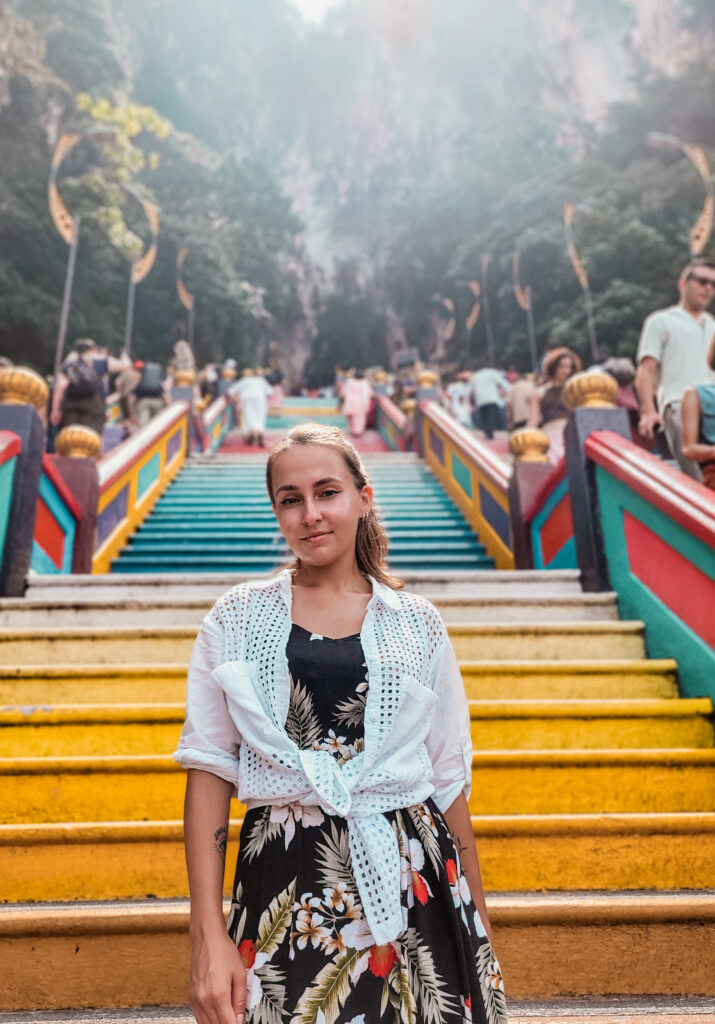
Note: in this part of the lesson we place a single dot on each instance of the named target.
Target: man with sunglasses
(672, 356)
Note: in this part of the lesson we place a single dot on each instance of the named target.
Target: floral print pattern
(296, 916)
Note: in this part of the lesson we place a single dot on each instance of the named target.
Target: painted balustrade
(134, 475)
(392, 424)
(474, 477)
(10, 448)
(217, 420)
(657, 529)
(57, 518)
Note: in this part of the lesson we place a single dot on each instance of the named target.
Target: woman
(698, 424)
(547, 408)
(357, 396)
(357, 895)
(253, 391)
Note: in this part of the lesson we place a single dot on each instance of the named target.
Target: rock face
(593, 51)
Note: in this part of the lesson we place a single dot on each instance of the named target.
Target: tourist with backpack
(149, 396)
(79, 393)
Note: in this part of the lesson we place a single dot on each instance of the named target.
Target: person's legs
(674, 433)
(489, 415)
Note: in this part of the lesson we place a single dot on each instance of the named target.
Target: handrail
(498, 471)
(392, 411)
(216, 421)
(60, 485)
(688, 502)
(117, 461)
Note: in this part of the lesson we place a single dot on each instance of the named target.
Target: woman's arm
(459, 823)
(690, 421)
(218, 976)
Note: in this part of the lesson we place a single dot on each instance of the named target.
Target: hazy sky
(314, 9)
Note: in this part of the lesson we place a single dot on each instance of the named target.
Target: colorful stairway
(216, 517)
(593, 795)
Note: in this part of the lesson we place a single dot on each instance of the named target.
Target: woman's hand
(218, 981)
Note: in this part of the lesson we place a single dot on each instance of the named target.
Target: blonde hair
(371, 543)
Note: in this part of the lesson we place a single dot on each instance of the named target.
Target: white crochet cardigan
(238, 693)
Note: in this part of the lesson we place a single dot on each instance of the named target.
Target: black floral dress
(296, 915)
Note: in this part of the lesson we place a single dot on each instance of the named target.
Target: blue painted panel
(173, 445)
(148, 475)
(112, 515)
(7, 474)
(436, 445)
(462, 475)
(495, 515)
(41, 562)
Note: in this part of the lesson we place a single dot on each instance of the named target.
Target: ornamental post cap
(408, 405)
(427, 379)
(381, 377)
(21, 386)
(183, 378)
(78, 442)
(529, 445)
(591, 389)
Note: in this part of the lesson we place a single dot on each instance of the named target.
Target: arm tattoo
(220, 841)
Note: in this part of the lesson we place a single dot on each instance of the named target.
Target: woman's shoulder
(422, 612)
(233, 606)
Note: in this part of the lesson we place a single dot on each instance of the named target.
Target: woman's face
(317, 504)
(564, 369)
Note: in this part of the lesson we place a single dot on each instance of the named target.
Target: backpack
(151, 383)
(84, 381)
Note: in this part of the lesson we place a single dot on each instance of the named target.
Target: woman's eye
(329, 493)
(288, 501)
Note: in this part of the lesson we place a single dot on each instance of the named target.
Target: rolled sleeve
(449, 743)
(653, 338)
(209, 739)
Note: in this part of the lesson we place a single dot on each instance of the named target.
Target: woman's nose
(310, 512)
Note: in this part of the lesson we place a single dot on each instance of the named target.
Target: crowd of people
(669, 390)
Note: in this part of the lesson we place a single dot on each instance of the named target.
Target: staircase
(593, 795)
(216, 517)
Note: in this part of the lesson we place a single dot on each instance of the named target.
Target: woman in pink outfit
(357, 395)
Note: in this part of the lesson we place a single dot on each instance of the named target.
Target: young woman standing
(332, 703)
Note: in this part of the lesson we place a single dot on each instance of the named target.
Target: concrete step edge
(173, 712)
(587, 908)
(507, 825)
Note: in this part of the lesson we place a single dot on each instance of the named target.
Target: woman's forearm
(459, 823)
(206, 810)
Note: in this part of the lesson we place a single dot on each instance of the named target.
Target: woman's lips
(315, 537)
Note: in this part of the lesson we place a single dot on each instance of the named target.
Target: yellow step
(483, 680)
(566, 944)
(567, 679)
(122, 646)
(590, 724)
(138, 859)
(102, 684)
(503, 782)
(104, 729)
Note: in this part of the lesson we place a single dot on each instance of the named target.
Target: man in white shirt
(672, 356)
(490, 388)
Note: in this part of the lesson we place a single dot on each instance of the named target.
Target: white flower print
(310, 927)
(333, 744)
(412, 862)
(334, 896)
(287, 815)
(357, 935)
(254, 989)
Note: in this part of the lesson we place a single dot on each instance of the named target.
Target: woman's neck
(339, 578)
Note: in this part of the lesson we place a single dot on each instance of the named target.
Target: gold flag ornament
(702, 228)
(579, 269)
(523, 295)
(452, 323)
(142, 265)
(187, 299)
(471, 321)
(61, 217)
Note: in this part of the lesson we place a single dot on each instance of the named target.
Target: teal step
(190, 563)
(254, 548)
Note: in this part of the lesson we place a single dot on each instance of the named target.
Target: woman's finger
(238, 995)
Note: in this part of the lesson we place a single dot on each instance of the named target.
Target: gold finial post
(22, 386)
(591, 389)
(529, 445)
(78, 442)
